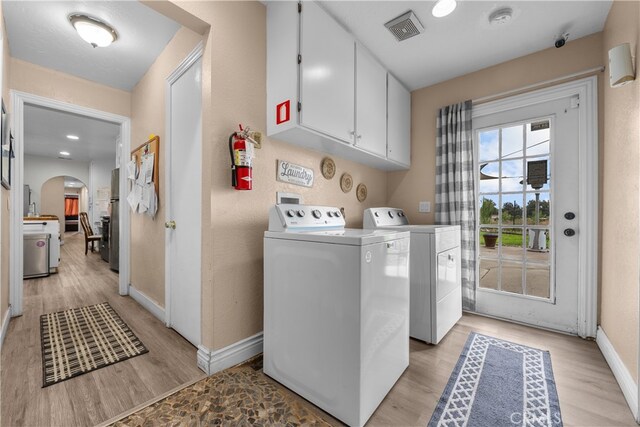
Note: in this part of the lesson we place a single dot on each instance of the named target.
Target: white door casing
(18, 101)
(183, 175)
(585, 185)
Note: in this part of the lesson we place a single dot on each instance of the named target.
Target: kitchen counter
(41, 218)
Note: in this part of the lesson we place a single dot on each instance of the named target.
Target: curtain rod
(537, 85)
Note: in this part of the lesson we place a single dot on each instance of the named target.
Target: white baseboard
(149, 304)
(5, 325)
(212, 361)
(620, 371)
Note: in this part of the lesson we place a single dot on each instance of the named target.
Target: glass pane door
(514, 206)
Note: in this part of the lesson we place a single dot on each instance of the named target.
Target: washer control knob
(291, 213)
(316, 214)
(376, 214)
(390, 214)
(400, 214)
(337, 214)
(330, 214)
(301, 213)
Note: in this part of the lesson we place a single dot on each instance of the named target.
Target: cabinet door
(327, 74)
(399, 122)
(371, 103)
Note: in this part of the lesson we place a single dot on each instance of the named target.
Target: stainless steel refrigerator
(114, 225)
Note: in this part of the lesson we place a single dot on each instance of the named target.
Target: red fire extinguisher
(241, 150)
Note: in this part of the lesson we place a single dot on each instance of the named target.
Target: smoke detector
(501, 16)
(405, 26)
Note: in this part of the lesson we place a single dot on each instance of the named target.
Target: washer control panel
(383, 217)
(304, 217)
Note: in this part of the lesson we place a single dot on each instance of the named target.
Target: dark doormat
(81, 340)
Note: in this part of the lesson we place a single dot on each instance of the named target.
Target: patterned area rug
(84, 339)
(238, 396)
(499, 383)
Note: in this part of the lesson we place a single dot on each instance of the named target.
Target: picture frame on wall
(6, 149)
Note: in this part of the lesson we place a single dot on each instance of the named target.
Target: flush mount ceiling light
(65, 153)
(443, 8)
(93, 31)
(501, 16)
(74, 137)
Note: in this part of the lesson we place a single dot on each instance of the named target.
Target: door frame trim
(182, 68)
(587, 91)
(18, 100)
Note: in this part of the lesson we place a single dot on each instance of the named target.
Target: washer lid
(347, 236)
(422, 228)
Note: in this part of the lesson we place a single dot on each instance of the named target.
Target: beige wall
(52, 198)
(234, 221)
(37, 80)
(621, 201)
(147, 117)
(4, 193)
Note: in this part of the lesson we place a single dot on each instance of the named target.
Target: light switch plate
(424, 207)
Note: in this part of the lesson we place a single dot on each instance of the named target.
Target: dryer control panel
(305, 217)
(383, 217)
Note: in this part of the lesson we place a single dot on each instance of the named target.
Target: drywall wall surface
(4, 193)
(621, 201)
(234, 221)
(37, 80)
(148, 117)
(406, 189)
(52, 198)
(39, 169)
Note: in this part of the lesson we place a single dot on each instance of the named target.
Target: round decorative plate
(328, 167)
(346, 182)
(361, 192)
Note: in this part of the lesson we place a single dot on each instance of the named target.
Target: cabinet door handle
(359, 136)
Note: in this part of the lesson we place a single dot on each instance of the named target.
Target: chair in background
(88, 232)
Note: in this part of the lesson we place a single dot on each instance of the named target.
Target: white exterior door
(184, 229)
(527, 181)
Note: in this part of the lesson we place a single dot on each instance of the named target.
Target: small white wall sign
(294, 174)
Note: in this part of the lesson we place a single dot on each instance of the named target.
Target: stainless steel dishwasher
(36, 255)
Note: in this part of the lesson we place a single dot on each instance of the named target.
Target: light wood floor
(99, 395)
(587, 390)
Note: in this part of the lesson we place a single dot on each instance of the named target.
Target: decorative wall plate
(328, 167)
(361, 192)
(346, 182)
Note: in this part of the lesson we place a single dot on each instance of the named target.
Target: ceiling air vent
(405, 26)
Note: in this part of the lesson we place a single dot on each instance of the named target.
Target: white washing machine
(436, 287)
(336, 309)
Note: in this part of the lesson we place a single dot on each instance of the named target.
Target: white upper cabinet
(326, 74)
(371, 103)
(399, 122)
(326, 92)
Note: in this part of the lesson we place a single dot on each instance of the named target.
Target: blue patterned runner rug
(499, 383)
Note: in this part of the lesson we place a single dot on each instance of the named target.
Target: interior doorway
(99, 203)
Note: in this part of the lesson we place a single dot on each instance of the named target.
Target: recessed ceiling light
(93, 31)
(74, 137)
(501, 16)
(65, 153)
(443, 8)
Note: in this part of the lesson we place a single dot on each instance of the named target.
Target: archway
(63, 196)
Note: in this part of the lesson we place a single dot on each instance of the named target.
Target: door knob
(170, 224)
(569, 232)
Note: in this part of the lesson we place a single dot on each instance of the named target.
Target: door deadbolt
(569, 232)
(569, 215)
(170, 224)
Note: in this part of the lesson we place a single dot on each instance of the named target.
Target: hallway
(98, 395)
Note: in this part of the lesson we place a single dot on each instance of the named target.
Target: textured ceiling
(464, 41)
(40, 32)
(45, 134)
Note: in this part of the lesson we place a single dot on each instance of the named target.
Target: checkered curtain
(455, 194)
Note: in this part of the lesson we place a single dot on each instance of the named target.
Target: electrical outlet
(424, 207)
